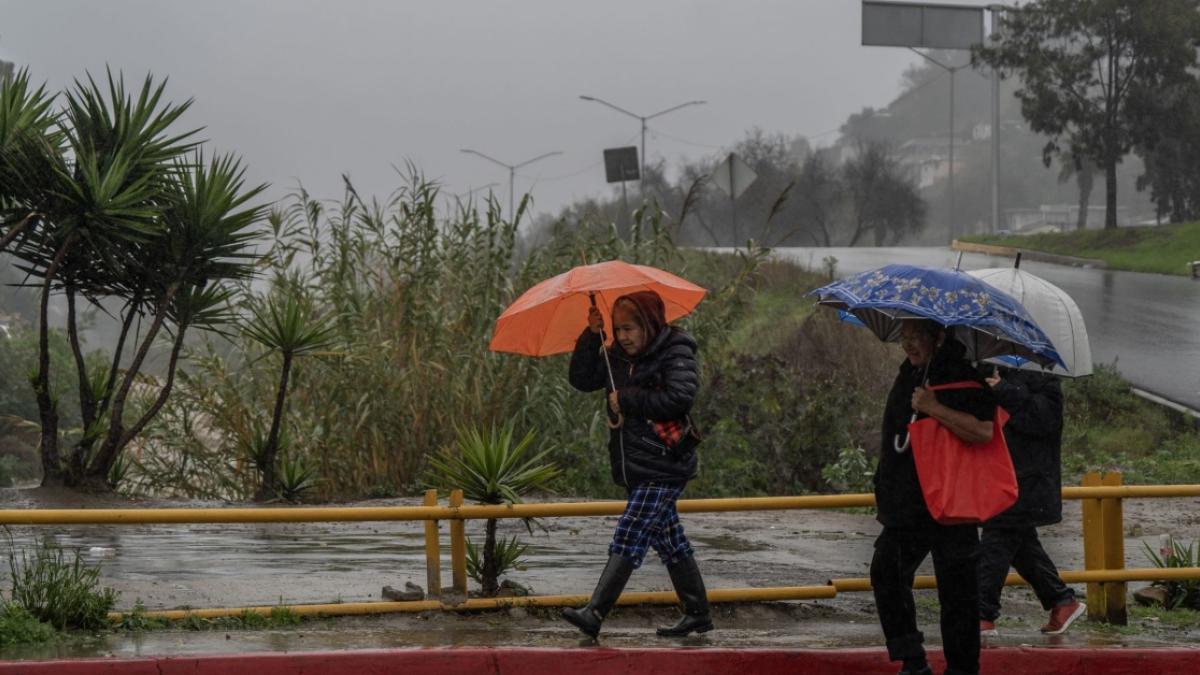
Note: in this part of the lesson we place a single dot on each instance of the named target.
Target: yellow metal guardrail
(1103, 535)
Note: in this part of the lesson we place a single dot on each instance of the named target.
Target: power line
(575, 173)
(685, 141)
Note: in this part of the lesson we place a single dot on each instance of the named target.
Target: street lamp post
(952, 70)
(643, 119)
(512, 171)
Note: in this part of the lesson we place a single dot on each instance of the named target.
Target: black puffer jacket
(658, 384)
(899, 501)
(1034, 437)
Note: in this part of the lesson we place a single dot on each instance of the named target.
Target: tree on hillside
(820, 193)
(1089, 66)
(882, 200)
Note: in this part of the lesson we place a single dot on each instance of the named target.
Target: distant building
(6, 71)
(929, 159)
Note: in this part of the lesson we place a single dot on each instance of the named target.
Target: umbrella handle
(608, 368)
(901, 447)
(603, 338)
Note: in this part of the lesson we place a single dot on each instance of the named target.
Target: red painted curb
(601, 661)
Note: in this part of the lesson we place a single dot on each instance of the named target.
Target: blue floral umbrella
(985, 319)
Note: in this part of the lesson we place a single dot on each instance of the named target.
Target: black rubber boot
(689, 586)
(612, 581)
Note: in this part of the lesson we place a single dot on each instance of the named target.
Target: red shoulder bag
(963, 482)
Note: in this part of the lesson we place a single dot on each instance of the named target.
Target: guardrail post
(1093, 547)
(433, 551)
(458, 546)
(1112, 514)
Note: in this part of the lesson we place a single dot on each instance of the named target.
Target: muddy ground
(194, 566)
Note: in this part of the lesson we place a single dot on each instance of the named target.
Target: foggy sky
(306, 90)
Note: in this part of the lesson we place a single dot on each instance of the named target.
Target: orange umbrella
(548, 318)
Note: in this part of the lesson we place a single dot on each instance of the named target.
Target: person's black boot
(612, 581)
(689, 586)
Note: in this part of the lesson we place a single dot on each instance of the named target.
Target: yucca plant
(286, 322)
(490, 467)
(295, 478)
(508, 557)
(113, 207)
(27, 123)
(1183, 593)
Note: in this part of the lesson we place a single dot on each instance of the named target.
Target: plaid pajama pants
(650, 520)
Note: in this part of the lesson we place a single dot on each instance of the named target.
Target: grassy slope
(1163, 250)
(777, 310)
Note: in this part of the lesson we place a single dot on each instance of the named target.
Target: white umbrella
(1053, 310)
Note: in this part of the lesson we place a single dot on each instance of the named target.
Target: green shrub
(18, 626)
(853, 471)
(58, 589)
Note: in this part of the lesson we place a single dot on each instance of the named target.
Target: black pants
(1000, 547)
(898, 554)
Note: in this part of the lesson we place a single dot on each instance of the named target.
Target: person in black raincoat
(909, 531)
(1034, 437)
(652, 451)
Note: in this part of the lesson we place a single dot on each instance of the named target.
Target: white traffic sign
(733, 176)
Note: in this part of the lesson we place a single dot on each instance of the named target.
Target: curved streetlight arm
(674, 108)
(614, 107)
(539, 157)
(493, 160)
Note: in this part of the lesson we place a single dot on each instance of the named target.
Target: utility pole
(512, 172)
(643, 119)
(952, 70)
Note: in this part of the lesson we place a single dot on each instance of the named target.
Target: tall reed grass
(415, 284)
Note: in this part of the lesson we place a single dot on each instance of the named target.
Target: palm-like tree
(27, 121)
(205, 245)
(491, 469)
(111, 205)
(286, 322)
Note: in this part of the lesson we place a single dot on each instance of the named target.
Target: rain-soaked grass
(778, 308)
(1164, 250)
(280, 616)
(1174, 618)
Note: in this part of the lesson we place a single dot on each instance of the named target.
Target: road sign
(621, 164)
(733, 176)
(910, 24)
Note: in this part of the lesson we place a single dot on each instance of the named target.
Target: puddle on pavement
(726, 542)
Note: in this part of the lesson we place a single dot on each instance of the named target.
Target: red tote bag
(963, 482)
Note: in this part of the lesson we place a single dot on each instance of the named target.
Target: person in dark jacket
(656, 377)
(1034, 437)
(909, 531)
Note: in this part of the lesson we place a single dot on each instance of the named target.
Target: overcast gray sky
(306, 90)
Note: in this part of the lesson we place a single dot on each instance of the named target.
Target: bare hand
(994, 379)
(595, 320)
(614, 402)
(923, 400)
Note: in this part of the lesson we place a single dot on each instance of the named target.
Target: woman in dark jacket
(654, 369)
(909, 531)
(1034, 437)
